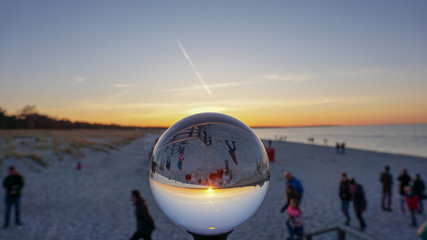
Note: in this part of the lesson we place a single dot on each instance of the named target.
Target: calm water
(402, 139)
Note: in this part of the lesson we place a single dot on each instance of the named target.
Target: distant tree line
(28, 118)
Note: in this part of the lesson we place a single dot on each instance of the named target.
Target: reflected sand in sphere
(208, 211)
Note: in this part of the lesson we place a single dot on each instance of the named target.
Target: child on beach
(412, 202)
(295, 221)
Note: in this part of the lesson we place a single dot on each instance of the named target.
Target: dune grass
(37, 144)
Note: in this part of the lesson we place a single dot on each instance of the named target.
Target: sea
(399, 139)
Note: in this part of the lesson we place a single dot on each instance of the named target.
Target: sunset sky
(267, 63)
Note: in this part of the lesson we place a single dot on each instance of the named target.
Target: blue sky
(265, 62)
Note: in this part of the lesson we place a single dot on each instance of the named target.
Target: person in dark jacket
(13, 184)
(404, 180)
(291, 193)
(145, 223)
(387, 181)
(345, 196)
(359, 201)
(418, 188)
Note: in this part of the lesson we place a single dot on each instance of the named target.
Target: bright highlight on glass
(209, 173)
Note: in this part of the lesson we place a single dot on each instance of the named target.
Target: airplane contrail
(194, 67)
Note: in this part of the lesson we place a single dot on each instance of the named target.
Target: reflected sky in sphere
(209, 173)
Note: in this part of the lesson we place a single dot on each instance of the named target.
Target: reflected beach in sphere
(209, 173)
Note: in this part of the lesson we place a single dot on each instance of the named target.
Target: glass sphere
(209, 173)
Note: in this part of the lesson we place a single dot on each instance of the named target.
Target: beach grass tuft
(38, 159)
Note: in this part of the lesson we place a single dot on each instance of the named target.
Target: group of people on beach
(349, 191)
(411, 192)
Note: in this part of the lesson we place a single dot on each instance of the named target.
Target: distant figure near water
(13, 184)
(145, 223)
(340, 148)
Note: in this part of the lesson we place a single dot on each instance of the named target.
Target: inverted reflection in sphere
(209, 173)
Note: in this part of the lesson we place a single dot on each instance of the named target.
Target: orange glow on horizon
(361, 112)
(278, 120)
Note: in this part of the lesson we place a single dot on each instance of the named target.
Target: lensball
(209, 173)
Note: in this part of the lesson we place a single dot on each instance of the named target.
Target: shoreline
(265, 141)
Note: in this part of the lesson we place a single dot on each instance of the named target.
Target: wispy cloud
(298, 78)
(196, 72)
(358, 73)
(122, 85)
(79, 80)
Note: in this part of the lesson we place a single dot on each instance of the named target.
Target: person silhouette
(270, 152)
(404, 180)
(181, 157)
(145, 223)
(231, 151)
(359, 201)
(345, 196)
(13, 183)
(387, 181)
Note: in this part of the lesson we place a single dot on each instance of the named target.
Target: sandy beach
(60, 202)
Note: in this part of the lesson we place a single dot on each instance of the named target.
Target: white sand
(63, 203)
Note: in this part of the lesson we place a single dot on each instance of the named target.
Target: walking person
(296, 184)
(404, 180)
(345, 196)
(13, 184)
(418, 188)
(387, 181)
(145, 223)
(412, 201)
(295, 221)
(359, 201)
